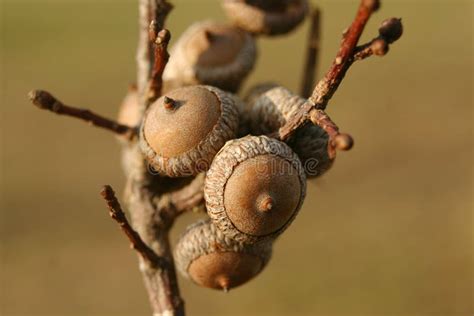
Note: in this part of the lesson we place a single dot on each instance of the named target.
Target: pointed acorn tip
(169, 103)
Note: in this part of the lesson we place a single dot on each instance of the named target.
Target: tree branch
(45, 101)
(390, 31)
(312, 55)
(136, 243)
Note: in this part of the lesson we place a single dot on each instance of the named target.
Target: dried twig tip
(391, 29)
(372, 5)
(163, 37)
(169, 103)
(42, 99)
(343, 142)
(107, 193)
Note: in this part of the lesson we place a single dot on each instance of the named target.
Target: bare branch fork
(349, 52)
(155, 202)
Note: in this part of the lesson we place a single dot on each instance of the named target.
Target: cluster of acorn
(254, 184)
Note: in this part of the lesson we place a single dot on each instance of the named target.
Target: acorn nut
(254, 188)
(213, 54)
(183, 130)
(210, 259)
(269, 111)
(266, 17)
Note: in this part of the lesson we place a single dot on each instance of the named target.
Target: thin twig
(44, 100)
(136, 243)
(326, 87)
(149, 10)
(390, 31)
(160, 39)
(312, 55)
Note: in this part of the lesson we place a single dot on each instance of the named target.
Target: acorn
(266, 17)
(254, 188)
(183, 130)
(271, 109)
(211, 53)
(210, 259)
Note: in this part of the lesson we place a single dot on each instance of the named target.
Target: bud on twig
(391, 29)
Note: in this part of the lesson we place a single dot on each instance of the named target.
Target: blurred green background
(388, 231)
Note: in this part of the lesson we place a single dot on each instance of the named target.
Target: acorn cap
(254, 188)
(183, 130)
(258, 19)
(257, 90)
(211, 53)
(210, 259)
(272, 109)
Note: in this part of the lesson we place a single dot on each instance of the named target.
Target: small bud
(343, 142)
(163, 36)
(391, 29)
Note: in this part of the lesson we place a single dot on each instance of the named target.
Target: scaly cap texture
(267, 208)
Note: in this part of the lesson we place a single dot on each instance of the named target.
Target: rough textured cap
(271, 109)
(206, 256)
(183, 130)
(254, 188)
(211, 53)
(258, 19)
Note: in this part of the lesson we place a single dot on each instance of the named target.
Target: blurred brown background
(388, 231)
